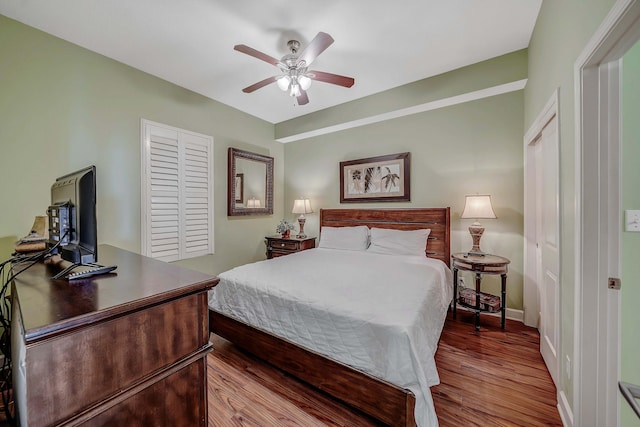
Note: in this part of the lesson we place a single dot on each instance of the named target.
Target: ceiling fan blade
(260, 84)
(335, 79)
(256, 54)
(315, 48)
(303, 98)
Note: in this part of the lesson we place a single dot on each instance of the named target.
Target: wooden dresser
(119, 349)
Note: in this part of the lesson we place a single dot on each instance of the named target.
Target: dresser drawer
(276, 254)
(286, 245)
(176, 400)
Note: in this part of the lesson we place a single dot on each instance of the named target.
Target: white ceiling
(381, 43)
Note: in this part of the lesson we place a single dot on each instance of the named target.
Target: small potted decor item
(284, 229)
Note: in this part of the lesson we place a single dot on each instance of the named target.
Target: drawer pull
(282, 244)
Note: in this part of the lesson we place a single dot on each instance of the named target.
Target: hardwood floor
(492, 377)
(244, 391)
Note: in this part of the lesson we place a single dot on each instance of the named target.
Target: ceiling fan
(296, 77)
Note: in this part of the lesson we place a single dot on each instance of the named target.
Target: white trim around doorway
(598, 221)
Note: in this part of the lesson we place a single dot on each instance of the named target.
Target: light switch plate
(632, 220)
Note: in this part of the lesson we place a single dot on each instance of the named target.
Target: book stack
(488, 302)
(37, 238)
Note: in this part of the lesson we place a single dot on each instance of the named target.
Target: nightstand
(279, 246)
(480, 265)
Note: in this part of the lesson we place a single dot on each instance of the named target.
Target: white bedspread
(382, 314)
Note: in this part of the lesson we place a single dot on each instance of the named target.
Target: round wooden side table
(480, 264)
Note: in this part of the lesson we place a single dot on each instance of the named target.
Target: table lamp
(301, 206)
(477, 207)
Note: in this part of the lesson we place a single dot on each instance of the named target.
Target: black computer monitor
(72, 217)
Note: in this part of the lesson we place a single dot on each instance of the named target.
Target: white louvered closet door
(177, 193)
(197, 218)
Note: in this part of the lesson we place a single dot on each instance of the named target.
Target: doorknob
(631, 393)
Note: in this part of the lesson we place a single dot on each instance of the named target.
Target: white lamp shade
(283, 82)
(301, 206)
(295, 89)
(478, 207)
(305, 82)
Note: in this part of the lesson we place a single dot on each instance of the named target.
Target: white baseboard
(511, 313)
(566, 415)
(514, 314)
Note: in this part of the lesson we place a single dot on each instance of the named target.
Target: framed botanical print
(376, 179)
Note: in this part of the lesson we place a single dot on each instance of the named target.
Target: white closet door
(197, 183)
(177, 193)
(548, 243)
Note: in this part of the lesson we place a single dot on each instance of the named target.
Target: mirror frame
(232, 209)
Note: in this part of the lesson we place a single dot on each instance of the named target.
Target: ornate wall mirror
(249, 183)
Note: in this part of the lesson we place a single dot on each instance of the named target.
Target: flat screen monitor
(72, 217)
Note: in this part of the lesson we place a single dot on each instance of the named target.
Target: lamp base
(301, 221)
(476, 231)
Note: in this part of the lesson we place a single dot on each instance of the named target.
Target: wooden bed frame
(380, 399)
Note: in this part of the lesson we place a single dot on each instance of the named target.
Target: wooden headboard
(437, 219)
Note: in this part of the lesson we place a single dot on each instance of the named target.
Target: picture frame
(376, 179)
(239, 188)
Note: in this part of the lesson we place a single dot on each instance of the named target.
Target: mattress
(381, 314)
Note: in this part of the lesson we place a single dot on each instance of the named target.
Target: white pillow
(349, 238)
(398, 242)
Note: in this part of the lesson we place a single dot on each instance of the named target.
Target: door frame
(597, 89)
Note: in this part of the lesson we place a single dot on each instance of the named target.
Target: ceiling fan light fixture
(305, 82)
(284, 82)
(295, 89)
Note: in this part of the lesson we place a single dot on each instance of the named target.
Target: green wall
(493, 72)
(63, 107)
(473, 147)
(630, 291)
